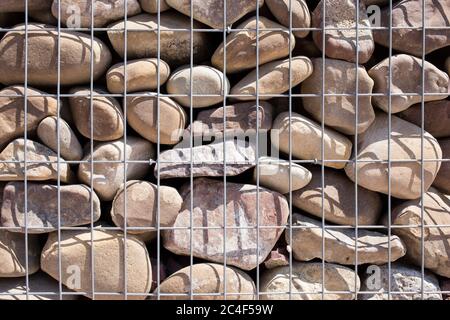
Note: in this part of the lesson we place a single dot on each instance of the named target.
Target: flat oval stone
(442, 180)
(301, 17)
(208, 211)
(19, 5)
(273, 78)
(436, 82)
(339, 199)
(42, 207)
(207, 283)
(108, 250)
(109, 176)
(175, 46)
(142, 116)
(151, 6)
(142, 206)
(340, 111)
(336, 146)
(241, 49)
(12, 111)
(211, 12)
(107, 114)
(405, 145)
(205, 81)
(141, 75)
(75, 57)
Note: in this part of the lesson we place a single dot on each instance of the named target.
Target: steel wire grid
(289, 95)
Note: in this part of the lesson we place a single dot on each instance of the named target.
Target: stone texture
(12, 112)
(208, 210)
(341, 44)
(301, 17)
(405, 144)
(211, 12)
(41, 163)
(342, 246)
(436, 239)
(175, 46)
(241, 48)
(436, 81)
(436, 120)
(107, 114)
(442, 180)
(205, 81)
(207, 160)
(278, 257)
(108, 250)
(407, 16)
(306, 280)
(142, 206)
(336, 146)
(42, 207)
(19, 5)
(208, 278)
(405, 279)
(275, 173)
(339, 199)
(340, 111)
(69, 146)
(142, 116)
(141, 75)
(109, 176)
(12, 254)
(273, 78)
(151, 6)
(74, 60)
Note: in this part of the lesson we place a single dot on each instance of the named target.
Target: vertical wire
(322, 147)
(257, 153)
(158, 151)
(290, 147)
(191, 115)
(389, 151)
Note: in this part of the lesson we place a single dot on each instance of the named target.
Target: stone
(12, 111)
(75, 249)
(436, 82)
(436, 117)
(340, 111)
(69, 146)
(436, 239)
(275, 173)
(339, 199)
(19, 5)
(277, 258)
(405, 144)
(307, 280)
(151, 6)
(206, 81)
(142, 116)
(340, 42)
(240, 120)
(442, 180)
(109, 176)
(242, 248)
(107, 114)
(74, 59)
(445, 286)
(42, 207)
(342, 246)
(241, 48)
(407, 17)
(273, 79)
(105, 11)
(207, 160)
(447, 65)
(41, 163)
(208, 283)
(337, 147)
(43, 16)
(301, 17)
(141, 75)
(174, 46)
(211, 13)
(142, 206)
(13, 254)
(406, 284)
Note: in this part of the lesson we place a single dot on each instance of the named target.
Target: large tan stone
(109, 263)
(301, 17)
(405, 145)
(19, 5)
(336, 146)
(151, 6)
(241, 48)
(242, 247)
(74, 59)
(442, 180)
(208, 283)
